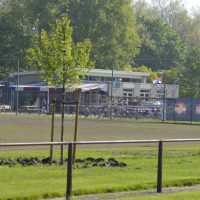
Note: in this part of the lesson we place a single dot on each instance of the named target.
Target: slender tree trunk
(52, 133)
(62, 125)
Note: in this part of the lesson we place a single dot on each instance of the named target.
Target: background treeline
(159, 36)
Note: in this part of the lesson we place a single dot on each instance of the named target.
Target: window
(127, 94)
(160, 93)
(127, 90)
(126, 80)
(102, 78)
(108, 78)
(93, 78)
(136, 80)
(144, 93)
(118, 79)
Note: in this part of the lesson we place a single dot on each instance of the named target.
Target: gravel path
(131, 194)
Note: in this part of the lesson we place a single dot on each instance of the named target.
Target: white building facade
(106, 84)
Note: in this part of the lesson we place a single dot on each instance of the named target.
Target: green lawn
(181, 164)
(180, 168)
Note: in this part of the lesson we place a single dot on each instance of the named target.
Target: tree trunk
(62, 125)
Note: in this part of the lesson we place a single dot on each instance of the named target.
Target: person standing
(44, 104)
(36, 103)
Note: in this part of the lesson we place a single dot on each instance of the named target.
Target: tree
(161, 46)
(60, 61)
(3, 73)
(177, 17)
(194, 31)
(190, 78)
(11, 42)
(19, 20)
(152, 76)
(173, 13)
(111, 27)
(173, 75)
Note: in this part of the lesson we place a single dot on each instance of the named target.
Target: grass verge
(180, 168)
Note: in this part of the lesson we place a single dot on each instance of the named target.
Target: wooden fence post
(69, 172)
(159, 175)
(75, 131)
(52, 133)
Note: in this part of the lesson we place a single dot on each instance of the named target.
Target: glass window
(144, 93)
(102, 78)
(117, 79)
(130, 94)
(108, 78)
(93, 78)
(136, 80)
(126, 80)
(127, 90)
(124, 94)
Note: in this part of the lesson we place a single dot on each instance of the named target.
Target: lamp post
(113, 66)
(164, 93)
(17, 102)
(163, 74)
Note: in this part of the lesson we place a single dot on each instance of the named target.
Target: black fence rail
(70, 155)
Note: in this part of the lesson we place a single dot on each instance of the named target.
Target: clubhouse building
(100, 86)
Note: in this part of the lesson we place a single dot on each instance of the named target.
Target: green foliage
(111, 27)
(19, 21)
(60, 61)
(173, 75)
(152, 76)
(4, 73)
(117, 29)
(161, 46)
(190, 79)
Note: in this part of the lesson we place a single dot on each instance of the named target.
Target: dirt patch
(79, 163)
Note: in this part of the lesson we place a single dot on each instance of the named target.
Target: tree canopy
(110, 25)
(157, 35)
(60, 61)
(190, 77)
(161, 46)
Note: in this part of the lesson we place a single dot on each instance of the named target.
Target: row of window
(143, 93)
(118, 79)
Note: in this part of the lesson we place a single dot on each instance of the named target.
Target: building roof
(98, 72)
(79, 88)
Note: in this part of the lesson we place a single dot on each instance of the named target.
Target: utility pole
(17, 100)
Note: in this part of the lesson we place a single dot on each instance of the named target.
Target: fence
(165, 109)
(70, 155)
(170, 109)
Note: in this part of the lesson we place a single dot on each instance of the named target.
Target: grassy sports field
(181, 164)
